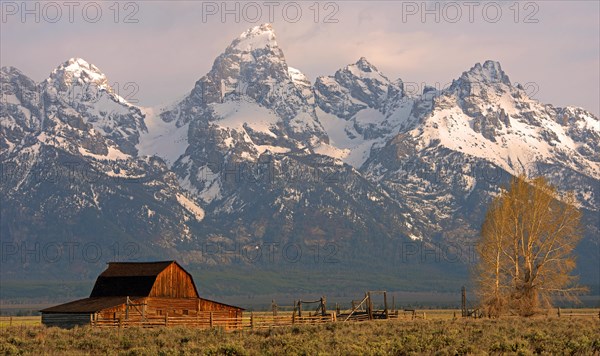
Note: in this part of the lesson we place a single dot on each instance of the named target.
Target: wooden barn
(130, 292)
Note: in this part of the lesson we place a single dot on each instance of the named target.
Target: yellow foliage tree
(526, 248)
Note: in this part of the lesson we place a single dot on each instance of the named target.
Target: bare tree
(526, 248)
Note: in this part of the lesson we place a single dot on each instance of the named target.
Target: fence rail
(230, 323)
(561, 313)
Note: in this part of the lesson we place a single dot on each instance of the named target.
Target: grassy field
(567, 335)
(7, 321)
(444, 314)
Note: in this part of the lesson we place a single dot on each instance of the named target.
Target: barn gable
(174, 282)
(146, 279)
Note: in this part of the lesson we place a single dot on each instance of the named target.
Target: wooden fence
(561, 313)
(212, 319)
(262, 320)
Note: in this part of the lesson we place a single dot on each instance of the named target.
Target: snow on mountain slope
(112, 154)
(71, 110)
(355, 87)
(20, 111)
(344, 142)
(76, 71)
(458, 144)
(73, 158)
(303, 83)
(256, 37)
(162, 139)
(483, 115)
(78, 93)
(238, 115)
(251, 77)
(360, 109)
(250, 103)
(190, 206)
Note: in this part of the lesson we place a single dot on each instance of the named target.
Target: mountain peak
(298, 77)
(258, 30)
(9, 70)
(490, 72)
(364, 65)
(256, 37)
(253, 57)
(365, 70)
(77, 70)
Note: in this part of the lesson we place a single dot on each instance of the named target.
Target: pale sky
(164, 47)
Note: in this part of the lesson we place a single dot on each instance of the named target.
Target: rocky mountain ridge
(256, 154)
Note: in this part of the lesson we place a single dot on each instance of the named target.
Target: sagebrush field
(578, 336)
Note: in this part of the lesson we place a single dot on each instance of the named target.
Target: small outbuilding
(139, 292)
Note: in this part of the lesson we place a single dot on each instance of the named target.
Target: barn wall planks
(172, 306)
(176, 307)
(173, 282)
(208, 305)
(66, 320)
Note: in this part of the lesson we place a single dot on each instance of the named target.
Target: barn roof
(227, 305)
(87, 305)
(130, 269)
(130, 278)
(119, 281)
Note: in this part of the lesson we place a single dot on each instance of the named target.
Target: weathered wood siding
(171, 306)
(120, 310)
(162, 311)
(173, 282)
(175, 307)
(65, 320)
(207, 305)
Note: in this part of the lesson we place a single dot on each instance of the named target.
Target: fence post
(385, 305)
(166, 318)
(251, 320)
(274, 307)
(463, 301)
(211, 319)
(558, 312)
(370, 306)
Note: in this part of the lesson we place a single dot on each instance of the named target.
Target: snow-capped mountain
(360, 108)
(256, 153)
(83, 93)
(482, 117)
(70, 169)
(247, 105)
